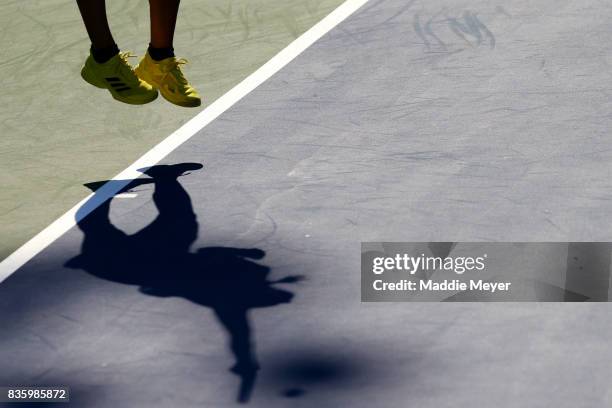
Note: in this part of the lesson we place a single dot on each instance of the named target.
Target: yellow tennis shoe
(166, 75)
(119, 78)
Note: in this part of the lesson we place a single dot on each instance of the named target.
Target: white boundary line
(60, 226)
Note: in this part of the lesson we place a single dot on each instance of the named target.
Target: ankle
(102, 55)
(158, 54)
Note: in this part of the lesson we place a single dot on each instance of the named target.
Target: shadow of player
(158, 260)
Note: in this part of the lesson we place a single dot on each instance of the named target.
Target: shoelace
(173, 66)
(126, 65)
(125, 55)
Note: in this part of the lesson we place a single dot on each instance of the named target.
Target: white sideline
(60, 226)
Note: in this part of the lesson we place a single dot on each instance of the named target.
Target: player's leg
(163, 22)
(235, 320)
(103, 46)
(160, 67)
(103, 243)
(106, 67)
(176, 227)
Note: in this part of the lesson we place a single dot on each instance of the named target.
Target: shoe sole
(142, 75)
(91, 81)
(182, 104)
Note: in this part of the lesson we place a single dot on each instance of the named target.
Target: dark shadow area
(294, 392)
(308, 370)
(159, 261)
(300, 372)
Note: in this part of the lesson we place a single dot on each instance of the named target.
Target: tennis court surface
(409, 121)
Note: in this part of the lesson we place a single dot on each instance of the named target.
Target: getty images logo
(412, 264)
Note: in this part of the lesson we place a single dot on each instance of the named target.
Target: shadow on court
(158, 259)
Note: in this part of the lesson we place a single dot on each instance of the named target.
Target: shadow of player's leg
(176, 227)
